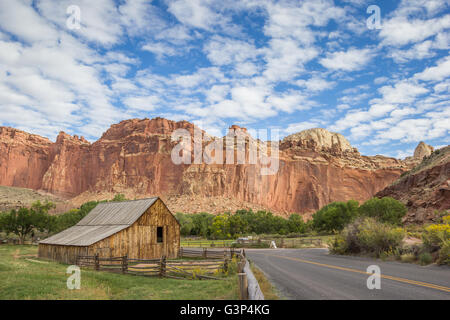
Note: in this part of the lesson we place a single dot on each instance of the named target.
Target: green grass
(24, 276)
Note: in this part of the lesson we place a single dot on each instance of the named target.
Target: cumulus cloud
(350, 60)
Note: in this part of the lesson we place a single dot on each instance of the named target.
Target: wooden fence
(207, 243)
(213, 263)
(206, 253)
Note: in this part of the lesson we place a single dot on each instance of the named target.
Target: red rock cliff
(134, 157)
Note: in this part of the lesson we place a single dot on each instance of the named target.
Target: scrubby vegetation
(368, 236)
(381, 239)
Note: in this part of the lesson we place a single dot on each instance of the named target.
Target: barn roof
(103, 221)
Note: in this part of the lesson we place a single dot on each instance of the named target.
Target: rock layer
(134, 157)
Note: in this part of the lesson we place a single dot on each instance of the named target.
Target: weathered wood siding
(65, 254)
(138, 241)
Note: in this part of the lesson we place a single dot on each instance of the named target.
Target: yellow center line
(418, 283)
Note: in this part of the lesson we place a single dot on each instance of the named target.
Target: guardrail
(248, 285)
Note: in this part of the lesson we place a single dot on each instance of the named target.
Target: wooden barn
(141, 229)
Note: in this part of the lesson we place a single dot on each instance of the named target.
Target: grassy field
(24, 276)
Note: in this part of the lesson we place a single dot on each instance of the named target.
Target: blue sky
(290, 65)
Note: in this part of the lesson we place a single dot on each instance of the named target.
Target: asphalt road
(314, 274)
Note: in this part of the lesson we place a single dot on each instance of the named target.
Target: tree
(334, 216)
(202, 222)
(186, 224)
(21, 222)
(295, 224)
(386, 210)
(220, 227)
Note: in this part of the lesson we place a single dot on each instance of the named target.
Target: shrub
(425, 258)
(368, 236)
(408, 257)
(386, 210)
(444, 253)
(435, 235)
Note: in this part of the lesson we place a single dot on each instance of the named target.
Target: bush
(335, 216)
(444, 253)
(368, 236)
(386, 210)
(425, 258)
(435, 235)
(408, 257)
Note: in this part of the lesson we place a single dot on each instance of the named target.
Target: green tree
(201, 224)
(220, 227)
(21, 222)
(334, 216)
(295, 224)
(186, 224)
(386, 210)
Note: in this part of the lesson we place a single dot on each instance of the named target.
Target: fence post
(225, 265)
(97, 262)
(205, 253)
(243, 286)
(181, 252)
(162, 266)
(124, 264)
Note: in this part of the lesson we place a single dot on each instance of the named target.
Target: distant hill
(14, 198)
(425, 189)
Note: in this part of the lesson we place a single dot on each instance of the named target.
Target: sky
(80, 66)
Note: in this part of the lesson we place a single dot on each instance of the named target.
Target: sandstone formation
(423, 150)
(134, 158)
(425, 190)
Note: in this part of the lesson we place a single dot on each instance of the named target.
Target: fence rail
(212, 263)
(206, 253)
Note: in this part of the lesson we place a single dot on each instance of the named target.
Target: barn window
(159, 234)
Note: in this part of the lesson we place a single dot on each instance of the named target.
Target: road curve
(314, 274)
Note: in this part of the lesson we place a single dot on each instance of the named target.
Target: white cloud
(316, 84)
(159, 49)
(144, 103)
(401, 30)
(437, 73)
(300, 126)
(402, 92)
(196, 13)
(350, 60)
